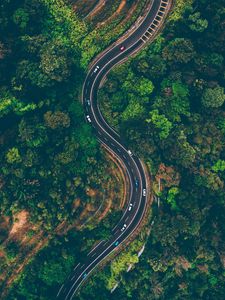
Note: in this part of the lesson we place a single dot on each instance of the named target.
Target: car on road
(88, 102)
(85, 275)
(122, 48)
(124, 227)
(96, 69)
(88, 118)
(116, 243)
(130, 206)
(129, 152)
(136, 182)
(144, 192)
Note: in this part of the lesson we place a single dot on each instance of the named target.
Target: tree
(196, 23)
(32, 132)
(134, 110)
(174, 101)
(156, 66)
(31, 72)
(219, 166)
(213, 97)
(141, 86)
(144, 87)
(179, 50)
(172, 193)
(13, 156)
(56, 119)
(55, 60)
(21, 18)
(182, 151)
(161, 123)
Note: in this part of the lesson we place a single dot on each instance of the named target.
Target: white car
(130, 206)
(88, 118)
(124, 227)
(144, 192)
(88, 102)
(96, 69)
(129, 152)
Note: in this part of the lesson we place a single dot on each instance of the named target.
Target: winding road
(138, 189)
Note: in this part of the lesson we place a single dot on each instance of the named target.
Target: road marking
(96, 247)
(76, 267)
(60, 290)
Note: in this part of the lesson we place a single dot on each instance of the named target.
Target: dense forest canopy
(47, 150)
(168, 103)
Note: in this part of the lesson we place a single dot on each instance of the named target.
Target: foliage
(167, 103)
(184, 257)
(160, 122)
(213, 97)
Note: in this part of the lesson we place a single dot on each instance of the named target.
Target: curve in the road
(138, 190)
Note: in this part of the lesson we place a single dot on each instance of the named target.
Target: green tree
(213, 97)
(55, 60)
(161, 123)
(134, 110)
(21, 18)
(13, 156)
(179, 50)
(171, 197)
(144, 87)
(56, 119)
(197, 23)
(141, 86)
(219, 166)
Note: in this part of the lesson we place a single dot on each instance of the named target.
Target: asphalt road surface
(138, 190)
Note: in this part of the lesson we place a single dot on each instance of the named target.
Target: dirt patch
(96, 9)
(115, 14)
(84, 7)
(20, 221)
(76, 203)
(106, 210)
(121, 6)
(91, 192)
(121, 179)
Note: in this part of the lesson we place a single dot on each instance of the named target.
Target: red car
(122, 48)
